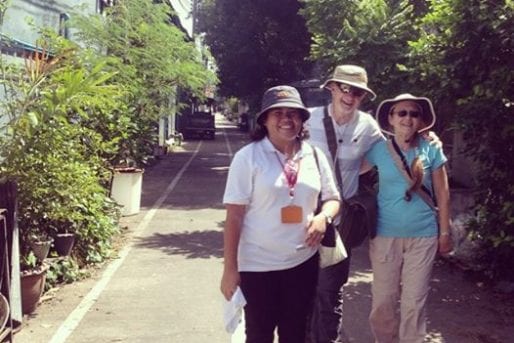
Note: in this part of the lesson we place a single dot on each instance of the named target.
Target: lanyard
(290, 170)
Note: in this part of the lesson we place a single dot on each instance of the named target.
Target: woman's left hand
(445, 244)
(316, 230)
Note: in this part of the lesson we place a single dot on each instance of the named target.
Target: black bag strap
(398, 158)
(332, 146)
(315, 153)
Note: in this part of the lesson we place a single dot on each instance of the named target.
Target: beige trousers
(401, 271)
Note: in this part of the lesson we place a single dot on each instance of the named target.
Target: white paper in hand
(233, 310)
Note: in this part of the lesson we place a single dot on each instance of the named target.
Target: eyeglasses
(404, 113)
(346, 89)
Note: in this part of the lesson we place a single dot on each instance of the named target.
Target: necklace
(340, 130)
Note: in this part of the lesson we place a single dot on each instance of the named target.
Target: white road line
(227, 143)
(239, 335)
(75, 317)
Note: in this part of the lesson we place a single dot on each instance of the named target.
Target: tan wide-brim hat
(282, 96)
(351, 75)
(384, 109)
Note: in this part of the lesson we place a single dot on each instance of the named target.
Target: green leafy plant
(64, 271)
(465, 59)
(57, 140)
(152, 59)
(29, 261)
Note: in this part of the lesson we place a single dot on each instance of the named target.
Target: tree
(459, 54)
(153, 58)
(370, 33)
(465, 58)
(256, 44)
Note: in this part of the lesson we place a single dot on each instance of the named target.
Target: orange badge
(291, 214)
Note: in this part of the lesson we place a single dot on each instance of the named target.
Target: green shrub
(64, 124)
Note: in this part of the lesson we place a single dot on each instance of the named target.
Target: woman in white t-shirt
(271, 235)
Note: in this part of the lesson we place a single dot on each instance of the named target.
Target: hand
(229, 282)
(316, 230)
(432, 139)
(445, 244)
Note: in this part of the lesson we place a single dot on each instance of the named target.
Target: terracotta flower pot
(32, 286)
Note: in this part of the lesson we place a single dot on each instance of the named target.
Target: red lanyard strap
(290, 170)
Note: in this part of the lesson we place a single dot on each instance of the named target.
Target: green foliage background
(459, 53)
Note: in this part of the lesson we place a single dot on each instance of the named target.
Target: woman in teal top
(410, 228)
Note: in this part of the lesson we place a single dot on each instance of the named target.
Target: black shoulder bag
(358, 213)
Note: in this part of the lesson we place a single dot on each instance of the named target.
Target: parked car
(243, 122)
(198, 124)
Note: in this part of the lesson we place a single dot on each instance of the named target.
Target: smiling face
(283, 125)
(346, 99)
(405, 119)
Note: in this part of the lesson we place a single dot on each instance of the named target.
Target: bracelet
(445, 233)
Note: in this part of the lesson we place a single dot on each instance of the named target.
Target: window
(63, 26)
(101, 5)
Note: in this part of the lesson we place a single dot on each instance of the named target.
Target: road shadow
(190, 244)
(459, 310)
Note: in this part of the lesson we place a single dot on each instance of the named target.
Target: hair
(416, 167)
(417, 173)
(261, 131)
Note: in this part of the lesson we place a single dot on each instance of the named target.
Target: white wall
(41, 13)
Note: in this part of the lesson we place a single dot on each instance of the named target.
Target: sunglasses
(412, 114)
(346, 89)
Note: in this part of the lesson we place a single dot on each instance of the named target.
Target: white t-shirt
(354, 138)
(256, 179)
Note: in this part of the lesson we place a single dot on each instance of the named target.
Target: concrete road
(164, 286)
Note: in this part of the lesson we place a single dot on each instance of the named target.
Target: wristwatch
(328, 218)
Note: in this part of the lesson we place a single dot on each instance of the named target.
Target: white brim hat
(384, 109)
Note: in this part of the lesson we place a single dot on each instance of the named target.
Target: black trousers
(279, 299)
(327, 316)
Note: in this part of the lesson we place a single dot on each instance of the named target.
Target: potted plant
(32, 280)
